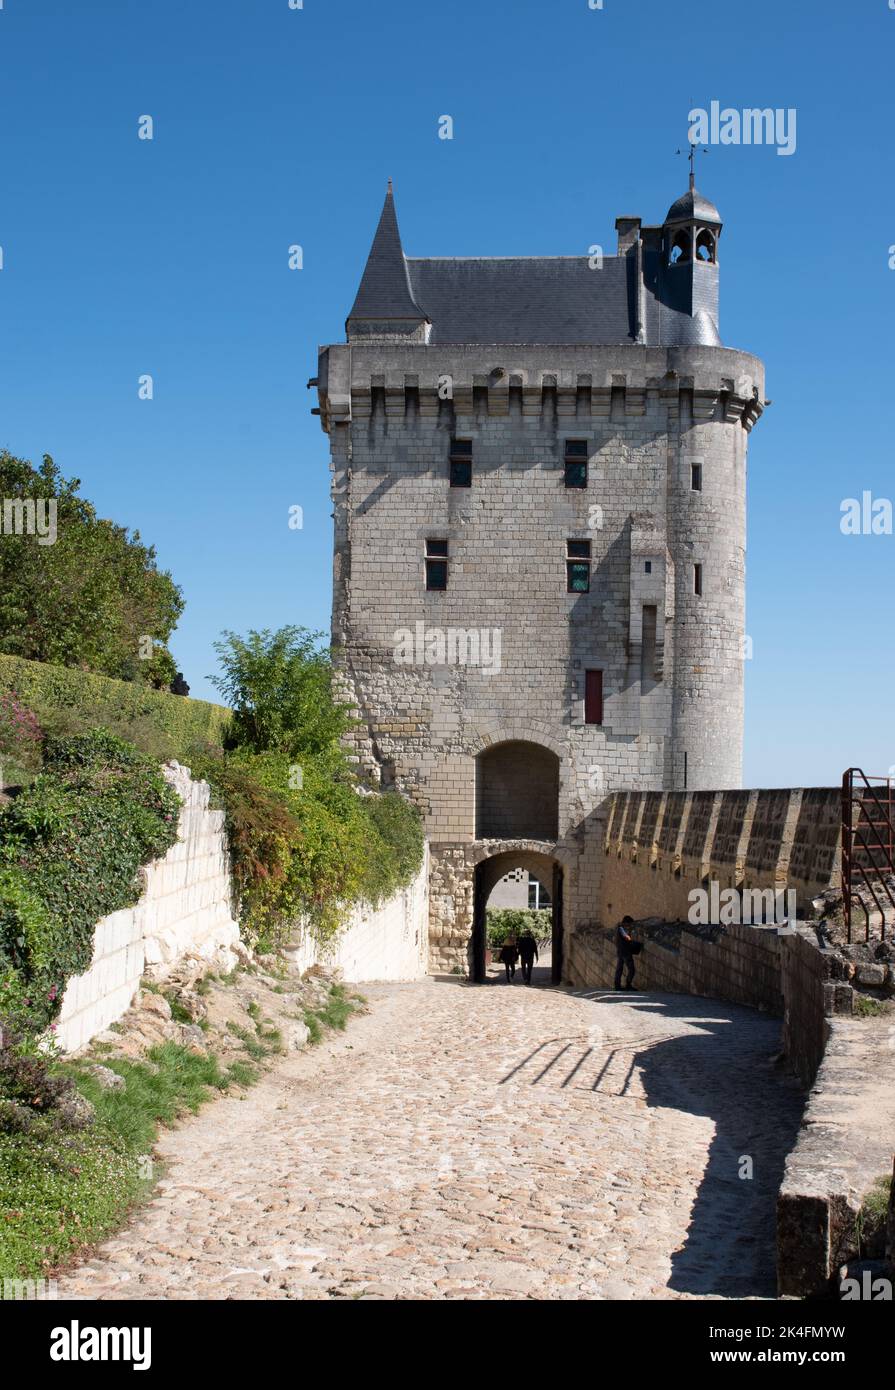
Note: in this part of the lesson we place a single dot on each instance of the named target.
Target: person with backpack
(626, 949)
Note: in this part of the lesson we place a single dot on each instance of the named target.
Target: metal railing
(868, 847)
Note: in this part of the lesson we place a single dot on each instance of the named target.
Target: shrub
(309, 853)
(279, 685)
(305, 844)
(71, 846)
(27, 1084)
(20, 733)
(398, 825)
(93, 595)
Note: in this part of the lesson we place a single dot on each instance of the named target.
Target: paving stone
(422, 1157)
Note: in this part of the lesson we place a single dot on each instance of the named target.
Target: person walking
(509, 955)
(528, 954)
(625, 951)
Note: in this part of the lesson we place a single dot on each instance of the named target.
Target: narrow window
(576, 463)
(461, 463)
(578, 567)
(648, 567)
(648, 649)
(593, 697)
(697, 580)
(696, 477)
(436, 564)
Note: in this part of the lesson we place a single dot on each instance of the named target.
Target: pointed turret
(385, 306)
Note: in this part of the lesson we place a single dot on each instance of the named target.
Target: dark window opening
(593, 697)
(648, 567)
(436, 564)
(696, 477)
(648, 649)
(576, 463)
(578, 567)
(697, 580)
(461, 463)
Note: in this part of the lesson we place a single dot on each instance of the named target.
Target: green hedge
(505, 921)
(70, 701)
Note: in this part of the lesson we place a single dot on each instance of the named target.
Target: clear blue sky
(275, 126)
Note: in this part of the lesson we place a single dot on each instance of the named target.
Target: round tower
(706, 509)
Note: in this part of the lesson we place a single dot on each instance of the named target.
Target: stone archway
(542, 865)
(517, 792)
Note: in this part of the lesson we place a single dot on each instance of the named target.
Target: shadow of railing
(754, 1107)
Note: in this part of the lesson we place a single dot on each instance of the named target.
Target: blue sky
(276, 126)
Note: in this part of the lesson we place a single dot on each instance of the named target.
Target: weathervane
(692, 157)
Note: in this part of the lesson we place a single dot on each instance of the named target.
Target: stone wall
(185, 908)
(788, 973)
(671, 658)
(738, 963)
(389, 942)
(846, 1142)
(659, 846)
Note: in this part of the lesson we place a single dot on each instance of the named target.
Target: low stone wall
(741, 964)
(784, 972)
(389, 942)
(847, 1140)
(185, 908)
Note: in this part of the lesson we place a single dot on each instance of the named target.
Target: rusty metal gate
(868, 847)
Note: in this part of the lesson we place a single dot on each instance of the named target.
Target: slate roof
(385, 291)
(521, 299)
(693, 207)
(549, 299)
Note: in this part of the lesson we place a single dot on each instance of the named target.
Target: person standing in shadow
(625, 948)
(508, 956)
(528, 954)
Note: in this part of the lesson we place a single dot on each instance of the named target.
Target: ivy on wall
(71, 846)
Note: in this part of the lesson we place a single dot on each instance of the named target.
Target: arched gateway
(540, 864)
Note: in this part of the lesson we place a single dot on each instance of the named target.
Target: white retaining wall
(389, 942)
(185, 909)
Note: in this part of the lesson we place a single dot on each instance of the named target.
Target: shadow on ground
(728, 1074)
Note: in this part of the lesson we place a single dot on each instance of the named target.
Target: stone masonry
(625, 362)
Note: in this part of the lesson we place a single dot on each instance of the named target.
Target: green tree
(86, 592)
(279, 686)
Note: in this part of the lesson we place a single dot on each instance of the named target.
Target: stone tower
(539, 482)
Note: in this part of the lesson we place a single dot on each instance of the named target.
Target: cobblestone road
(490, 1142)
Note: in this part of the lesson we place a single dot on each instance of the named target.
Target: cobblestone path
(479, 1142)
